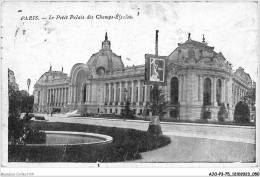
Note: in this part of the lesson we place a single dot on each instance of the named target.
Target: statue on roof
(106, 37)
(203, 38)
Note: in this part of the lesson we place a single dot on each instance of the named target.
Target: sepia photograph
(129, 84)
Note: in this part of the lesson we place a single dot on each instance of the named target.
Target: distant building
(11, 79)
(198, 77)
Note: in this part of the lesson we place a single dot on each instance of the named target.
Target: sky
(30, 46)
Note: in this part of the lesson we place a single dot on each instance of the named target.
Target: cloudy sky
(29, 46)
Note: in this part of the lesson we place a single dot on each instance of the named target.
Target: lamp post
(28, 85)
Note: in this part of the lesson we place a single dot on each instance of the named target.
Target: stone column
(65, 96)
(184, 88)
(133, 89)
(68, 98)
(139, 92)
(90, 92)
(104, 92)
(57, 96)
(145, 93)
(114, 93)
(54, 96)
(180, 89)
(120, 91)
(214, 91)
(60, 94)
(47, 95)
(126, 86)
(109, 92)
(223, 92)
(75, 94)
(59, 99)
(201, 87)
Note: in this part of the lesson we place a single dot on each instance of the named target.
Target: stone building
(197, 78)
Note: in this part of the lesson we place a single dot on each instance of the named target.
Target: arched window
(218, 91)
(174, 90)
(84, 94)
(207, 92)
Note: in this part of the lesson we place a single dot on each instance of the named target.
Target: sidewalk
(242, 134)
(190, 143)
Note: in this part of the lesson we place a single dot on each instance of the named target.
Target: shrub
(127, 144)
(205, 113)
(222, 113)
(242, 113)
(34, 136)
(127, 112)
(83, 110)
(16, 130)
(39, 117)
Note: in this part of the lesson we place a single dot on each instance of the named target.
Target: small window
(116, 111)
(110, 110)
(98, 110)
(141, 111)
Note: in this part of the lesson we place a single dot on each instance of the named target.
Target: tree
(158, 107)
(16, 127)
(158, 102)
(249, 97)
(127, 112)
(26, 101)
(222, 113)
(83, 110)
(242, 112)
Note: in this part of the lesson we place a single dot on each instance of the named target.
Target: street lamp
(28, 85)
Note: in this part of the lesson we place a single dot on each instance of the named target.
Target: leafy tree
(26, 101)
(205, 113)
(83, 110)
(222, 113)
(127, 112)
(19, 101)
(250, 96)
(242, 112)
(16, 127)
(158, 105)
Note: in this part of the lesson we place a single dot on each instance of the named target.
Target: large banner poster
(155, 69)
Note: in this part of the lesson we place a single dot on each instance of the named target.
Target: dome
(105, 58)
(198, 53)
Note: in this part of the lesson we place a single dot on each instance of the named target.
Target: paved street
(190, 142)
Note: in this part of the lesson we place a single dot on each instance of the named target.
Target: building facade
(197, 78)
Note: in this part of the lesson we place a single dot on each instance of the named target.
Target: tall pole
(156, 42)
(28, 85)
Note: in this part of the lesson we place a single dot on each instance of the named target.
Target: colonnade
(57, 96)
(238, 93)
(119, 91)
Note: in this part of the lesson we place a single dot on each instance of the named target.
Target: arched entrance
(84, 94)
(174, 91)
(218, 93)
(207, 92)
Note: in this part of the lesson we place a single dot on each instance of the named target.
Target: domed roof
(194, 52)
(105, 58)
